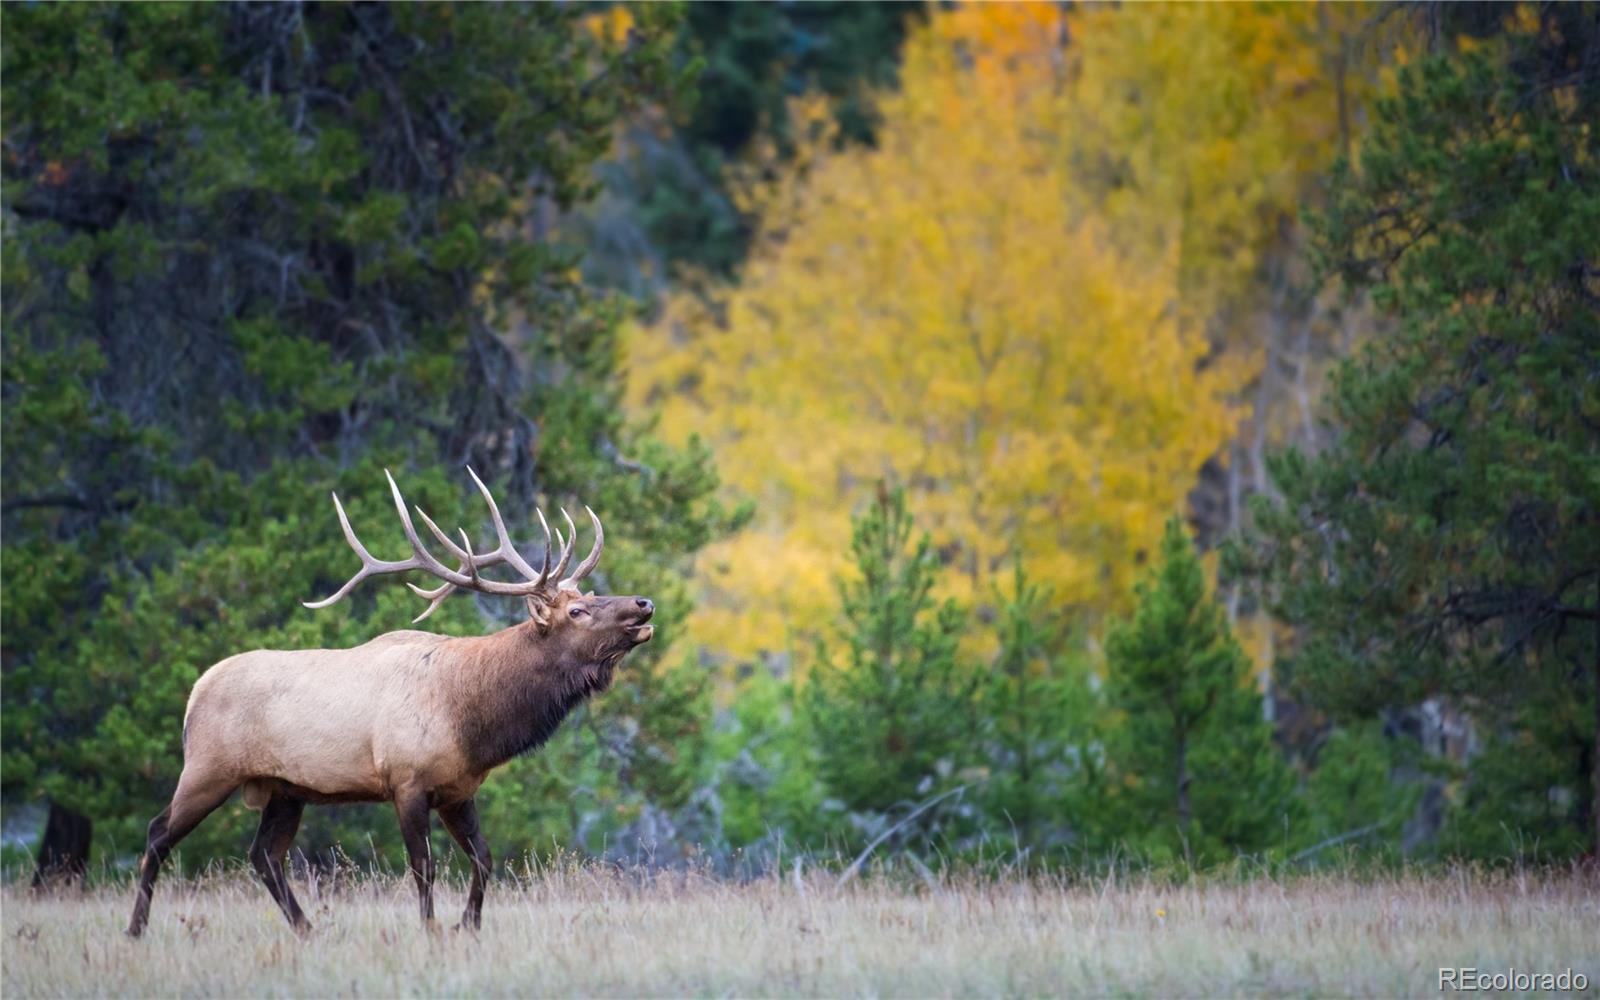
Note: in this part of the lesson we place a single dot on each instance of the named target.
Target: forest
(1064, 436)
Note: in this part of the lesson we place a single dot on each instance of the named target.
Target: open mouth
(641, 633)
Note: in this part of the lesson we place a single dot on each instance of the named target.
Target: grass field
(589, 930)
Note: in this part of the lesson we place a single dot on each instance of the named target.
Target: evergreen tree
(1353, 794)
(253, 253)
(754, 59)
(768, 791)
(1447, 544)
(1192, 765)
(1045, 772)
(893, 708)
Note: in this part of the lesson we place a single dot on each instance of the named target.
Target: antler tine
(591, 560)
(494, 558)
(443, 538)
(469, 559)
(506, 549)
(566, 550)
(435, 597)
(544, 574)
(561, 546)
(432, 607)
(370, 566)
(422, 556)
(472, 564)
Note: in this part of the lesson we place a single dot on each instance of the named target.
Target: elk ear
(539, 610)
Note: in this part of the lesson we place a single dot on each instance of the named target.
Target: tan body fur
(334, 724)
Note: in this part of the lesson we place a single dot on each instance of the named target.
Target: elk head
(592, 628)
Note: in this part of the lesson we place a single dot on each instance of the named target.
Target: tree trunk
(63, 849)
(1183, 787)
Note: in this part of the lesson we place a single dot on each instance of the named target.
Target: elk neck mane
(513, 689)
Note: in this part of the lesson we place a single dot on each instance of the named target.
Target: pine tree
(892, 705)
(1192, 766)
(1040, 711)
(1447, 544)
(1352, 795)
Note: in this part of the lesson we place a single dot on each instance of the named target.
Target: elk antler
(467, 575)
(590, 561)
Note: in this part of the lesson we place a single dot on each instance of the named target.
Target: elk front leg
(411, 806)
(462, 822)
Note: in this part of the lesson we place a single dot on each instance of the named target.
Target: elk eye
(576, 612)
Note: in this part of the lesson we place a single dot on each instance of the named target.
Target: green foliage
(892, 708)
(757, 57)
(253, 254)
(766, 773)
(1193, 772)
(1524, 795)
(1352, 795)
(752, 59)
(1044, 718)
(1447, 544)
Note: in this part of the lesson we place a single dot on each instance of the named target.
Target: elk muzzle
(639, 628)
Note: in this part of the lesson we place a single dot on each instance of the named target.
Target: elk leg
(192, 802)
(279, 821)
(412, 809)
(462, 822)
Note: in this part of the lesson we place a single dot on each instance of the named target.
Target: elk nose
(645, 604)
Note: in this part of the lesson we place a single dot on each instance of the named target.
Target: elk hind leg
(194, 800)
(280, 819)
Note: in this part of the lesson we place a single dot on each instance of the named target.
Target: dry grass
(588, 931)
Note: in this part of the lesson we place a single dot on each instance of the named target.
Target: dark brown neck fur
(514, 689)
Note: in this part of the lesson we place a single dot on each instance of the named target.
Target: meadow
(1111, 431)
(590, 930)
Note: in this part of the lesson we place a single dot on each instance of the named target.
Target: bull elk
(412, 718)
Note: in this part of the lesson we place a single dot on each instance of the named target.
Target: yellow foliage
(610, 25)
(1202, 123)
(971, 307)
